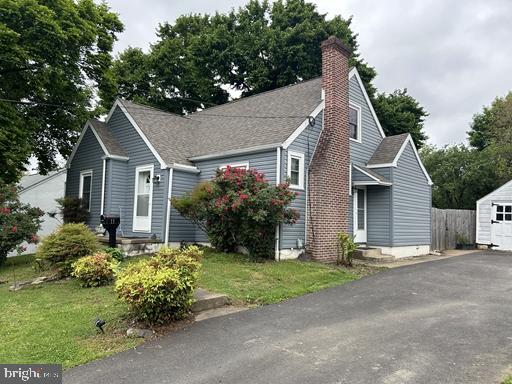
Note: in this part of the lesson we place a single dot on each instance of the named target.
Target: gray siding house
(139, 157)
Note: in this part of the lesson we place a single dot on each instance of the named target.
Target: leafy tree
(399, 112)
(54, 56)
(239, 208)
(18, 222)
(256, 48)
(491, 131)
(461, 175)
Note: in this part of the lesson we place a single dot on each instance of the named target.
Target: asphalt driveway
(446, 321)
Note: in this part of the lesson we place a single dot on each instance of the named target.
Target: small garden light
(99, 324)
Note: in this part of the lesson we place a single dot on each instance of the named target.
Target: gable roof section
(105, 138)
(389, 151)
(508, 183)
(168, 136)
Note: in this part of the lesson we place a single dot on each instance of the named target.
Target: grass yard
(53, 322)
(508, 380)
(268, 282)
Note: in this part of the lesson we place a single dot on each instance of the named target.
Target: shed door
(501, 226)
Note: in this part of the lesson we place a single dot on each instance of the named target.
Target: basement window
(296, 170)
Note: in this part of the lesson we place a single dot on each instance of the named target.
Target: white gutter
(168, 214)
(185, 168)
(103, 178)
(258, 148)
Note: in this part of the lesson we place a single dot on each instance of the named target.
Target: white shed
(494, 218)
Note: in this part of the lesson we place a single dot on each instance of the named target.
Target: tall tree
(399, 112)
(461, 175)
(55, 55)
(491, 131)
(256, 48)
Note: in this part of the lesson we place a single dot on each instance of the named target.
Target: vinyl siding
(116, 191)
(361, 152)
(181, 229)
(305, 143)
(503, 195)
(139, 154)
(411, 202)
(88, 156)
(264, 162)
(379, 215)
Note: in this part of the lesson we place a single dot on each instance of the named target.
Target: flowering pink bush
(239, 207)
(18, 222)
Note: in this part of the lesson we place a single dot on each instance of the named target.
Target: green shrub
(67, 244)
(239, 207)
(116, 253)
(346, 248)
(72, 210)
(161, 288)
(96, 270)
(18, 222)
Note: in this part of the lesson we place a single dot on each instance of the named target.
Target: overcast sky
(453, 56)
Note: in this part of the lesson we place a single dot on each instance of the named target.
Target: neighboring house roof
(107, 138)
(388, 149)
(31, 181)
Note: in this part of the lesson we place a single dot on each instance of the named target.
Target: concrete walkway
(447, 321)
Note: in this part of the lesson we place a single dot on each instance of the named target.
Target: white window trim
(300, 156)
(494, 211)
(151, 169)
(85, 173)
(359, 122)
(236, 165)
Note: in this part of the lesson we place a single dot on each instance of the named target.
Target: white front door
(359, 203)
(142, 202)
(501, 226)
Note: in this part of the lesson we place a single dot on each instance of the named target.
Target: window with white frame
(296, 169)
(243, 165)
(85, 192)
(354, 122)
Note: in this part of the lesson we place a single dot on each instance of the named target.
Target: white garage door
(501, 226)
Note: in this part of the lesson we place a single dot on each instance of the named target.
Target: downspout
(103, 178)
(168, 214)
(278, 180)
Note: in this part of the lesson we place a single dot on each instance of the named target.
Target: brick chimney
(328, 181)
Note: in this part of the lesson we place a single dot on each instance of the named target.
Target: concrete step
(205, 300)
(372, 254)
(216, 312)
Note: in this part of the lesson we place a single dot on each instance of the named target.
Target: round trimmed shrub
(160, 289)
(96, 270)
(64, 246)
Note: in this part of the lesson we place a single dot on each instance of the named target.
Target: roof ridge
(152, 108)
(256, 94)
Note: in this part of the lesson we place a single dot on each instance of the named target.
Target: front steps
(373, 255)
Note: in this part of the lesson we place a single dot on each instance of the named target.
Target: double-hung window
(354, 122)
(296, 169)
(86, 189)
(243, 165)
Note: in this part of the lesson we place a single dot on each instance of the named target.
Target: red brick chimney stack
(328, 182)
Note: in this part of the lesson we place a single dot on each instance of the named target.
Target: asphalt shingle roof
(263, 119)
(374, 174)
(388, 149)
(107, 138)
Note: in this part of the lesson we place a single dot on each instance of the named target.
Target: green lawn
(267, 282)
(53, 322)
(508, 380)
